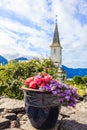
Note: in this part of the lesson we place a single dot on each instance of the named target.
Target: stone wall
(13, 117)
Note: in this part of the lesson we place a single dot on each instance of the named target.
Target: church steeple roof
(56, 41)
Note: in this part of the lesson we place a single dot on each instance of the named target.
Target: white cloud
(82, 6)
(17, 36)
(8, 27)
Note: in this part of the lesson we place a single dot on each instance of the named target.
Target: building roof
(56, 42)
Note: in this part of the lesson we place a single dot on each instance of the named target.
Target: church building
(56, 54)
(56, 49)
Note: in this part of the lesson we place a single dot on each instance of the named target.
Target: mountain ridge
(71, 72)
(3, 60)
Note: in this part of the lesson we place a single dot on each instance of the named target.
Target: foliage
(79, 83)
(69, 82)
(77, 79)
(11, 73)
(84, 79)
(81, 89)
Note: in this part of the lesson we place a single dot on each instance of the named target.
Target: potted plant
(43, 97)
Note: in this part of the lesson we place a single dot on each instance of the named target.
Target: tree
(85, 79)
(78, 80)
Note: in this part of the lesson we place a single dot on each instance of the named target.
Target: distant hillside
(71, 72)
(21, 58)
(3, 60)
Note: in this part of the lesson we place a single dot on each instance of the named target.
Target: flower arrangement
(44, 82)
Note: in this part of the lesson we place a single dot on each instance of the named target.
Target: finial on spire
(56, 18)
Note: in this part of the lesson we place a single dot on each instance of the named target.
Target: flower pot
(41, 107)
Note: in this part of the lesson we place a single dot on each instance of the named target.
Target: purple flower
(68, 92)
(67, 98)
(60, 85)
(65, 86)
(72, 104)
(58, 90)
(41, 89)
(47, 87)
(53, 87)
(60, 100)
(54, 92)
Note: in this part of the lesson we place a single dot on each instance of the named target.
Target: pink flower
(32, 85)
(38, 80)
(48, 78)
(28, 80)
(43, 84)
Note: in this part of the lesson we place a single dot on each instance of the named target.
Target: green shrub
(78, 80)
(84, 79)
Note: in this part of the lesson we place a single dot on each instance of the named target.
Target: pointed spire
(56, 36)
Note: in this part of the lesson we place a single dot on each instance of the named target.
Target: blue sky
(27, 27)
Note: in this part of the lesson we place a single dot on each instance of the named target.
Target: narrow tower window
(60, 52)
(54, 50)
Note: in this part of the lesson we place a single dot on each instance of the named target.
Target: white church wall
(56, 55)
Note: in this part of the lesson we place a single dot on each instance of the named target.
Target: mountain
(3, 60)
(21, 59)
(71, 72)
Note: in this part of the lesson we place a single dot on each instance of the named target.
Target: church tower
(56, 49)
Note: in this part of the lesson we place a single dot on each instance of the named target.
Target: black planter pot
(42, 108)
